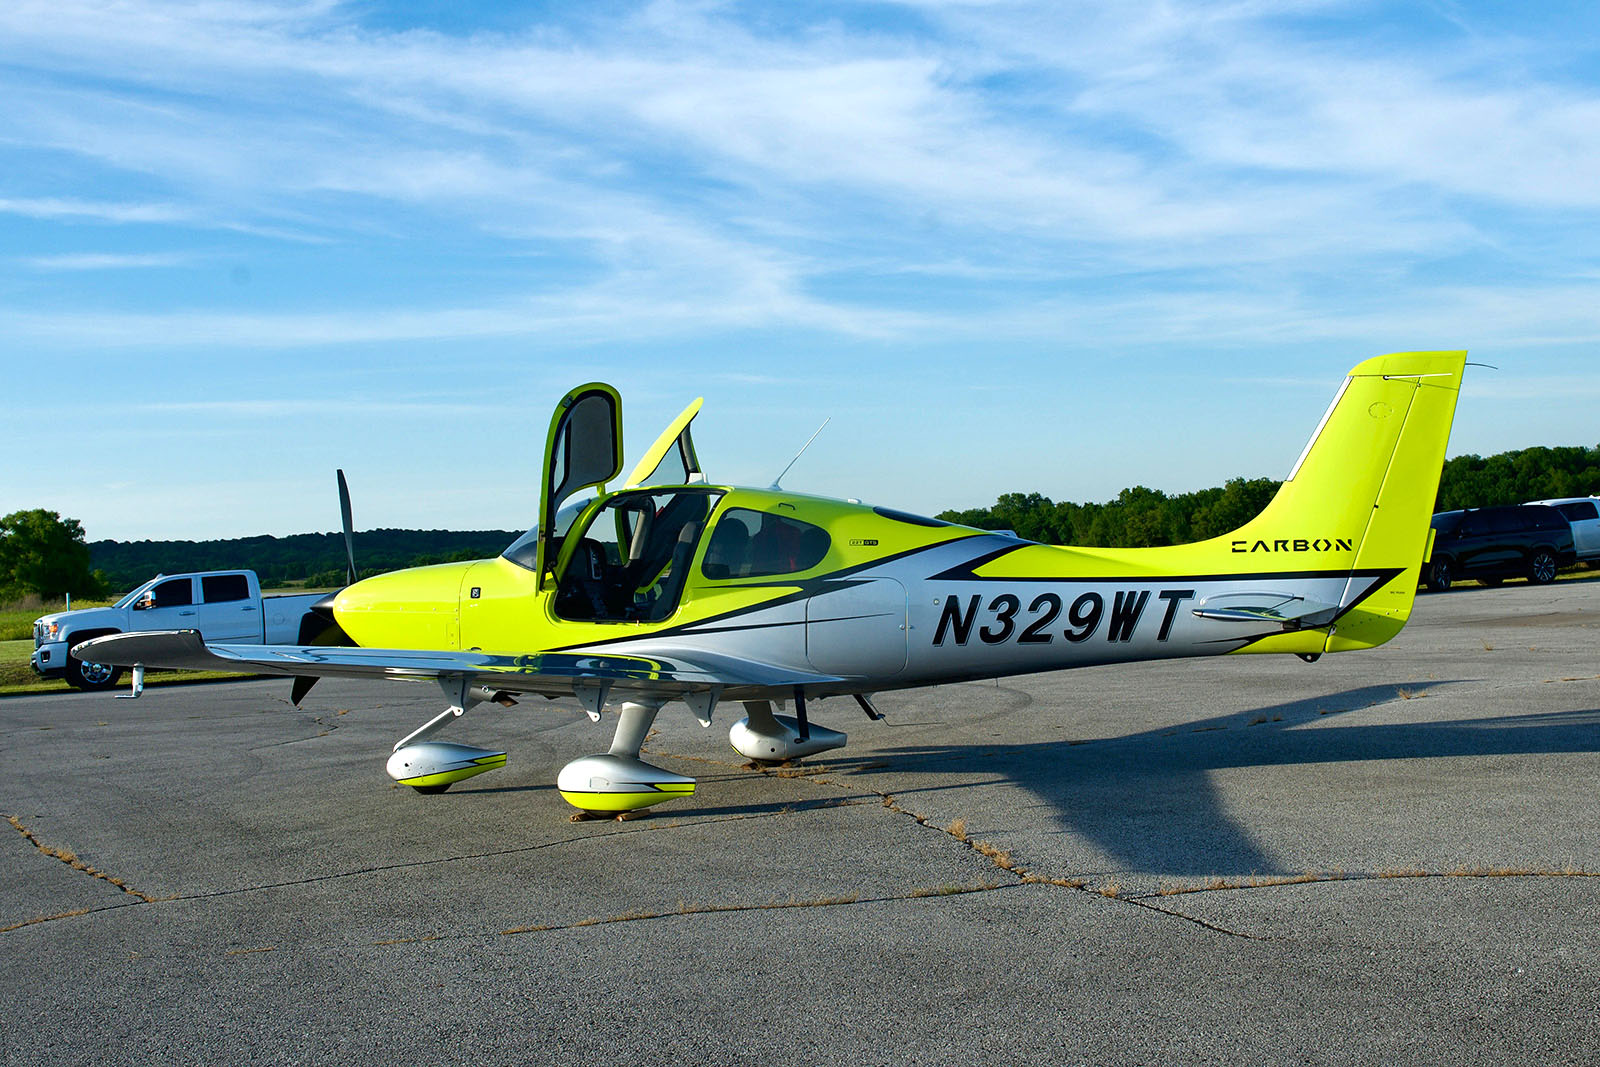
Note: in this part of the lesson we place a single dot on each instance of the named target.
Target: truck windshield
(127, 601)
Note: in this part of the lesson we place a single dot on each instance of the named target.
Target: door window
(221, 588)
(1579, 510)
(173, 593)
(1508, 520)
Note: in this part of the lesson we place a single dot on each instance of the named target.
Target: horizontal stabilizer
(1284, 609)
(549, 673)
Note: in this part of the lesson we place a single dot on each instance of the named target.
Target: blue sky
(1005, 246)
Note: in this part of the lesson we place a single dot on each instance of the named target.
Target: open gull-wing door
(584, 449)
(671, 460)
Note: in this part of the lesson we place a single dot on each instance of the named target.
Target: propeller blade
(302, 686)
(318, 627)
(349, 532)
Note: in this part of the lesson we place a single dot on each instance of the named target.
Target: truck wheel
(1439, 575)
(1543, 568)
(91, 676)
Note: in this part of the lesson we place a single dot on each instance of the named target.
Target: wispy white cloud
(59, 208)
(108, 261)
(1220, 120)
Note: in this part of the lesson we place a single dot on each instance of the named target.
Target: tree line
(1143, 518)
(44, 554)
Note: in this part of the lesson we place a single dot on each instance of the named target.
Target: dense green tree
(42, 553)
(1139, 517)
(1513, 477)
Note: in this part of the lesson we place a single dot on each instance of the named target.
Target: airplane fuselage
(894, 601)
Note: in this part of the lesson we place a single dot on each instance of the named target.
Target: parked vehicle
(225, 606)
(1529, 541)
(1583, 512)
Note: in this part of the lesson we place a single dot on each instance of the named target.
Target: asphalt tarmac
(1391, 856)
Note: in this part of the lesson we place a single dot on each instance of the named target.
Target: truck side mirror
(145, 603)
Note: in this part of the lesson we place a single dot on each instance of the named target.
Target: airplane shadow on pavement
(1148, 799)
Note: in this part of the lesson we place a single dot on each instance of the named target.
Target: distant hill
(315, 559)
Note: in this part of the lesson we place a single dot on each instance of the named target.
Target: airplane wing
(551, 674)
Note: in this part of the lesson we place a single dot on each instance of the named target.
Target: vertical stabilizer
(1366, 484)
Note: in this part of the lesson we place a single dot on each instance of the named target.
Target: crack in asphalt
(72, 860)
(775, 905)
(999, 858)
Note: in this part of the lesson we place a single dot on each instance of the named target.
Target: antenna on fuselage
(800, 453)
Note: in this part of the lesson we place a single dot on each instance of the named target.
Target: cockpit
(627, 557)
(633, 556)
(630, 562)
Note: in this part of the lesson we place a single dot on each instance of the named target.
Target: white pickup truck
(225, 606)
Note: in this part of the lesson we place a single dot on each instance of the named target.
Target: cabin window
(754, 544)
(524, 551)
(630, 562)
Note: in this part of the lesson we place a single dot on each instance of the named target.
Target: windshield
(129, 598)
(524, 551)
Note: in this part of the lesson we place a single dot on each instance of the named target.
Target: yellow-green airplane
(673, 588)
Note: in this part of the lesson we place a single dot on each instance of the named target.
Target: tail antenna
(800, 453)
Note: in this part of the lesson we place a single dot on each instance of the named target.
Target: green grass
(16, 618)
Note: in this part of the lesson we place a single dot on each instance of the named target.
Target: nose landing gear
(434, 766)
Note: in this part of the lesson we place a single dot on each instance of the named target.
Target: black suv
(1529, 541)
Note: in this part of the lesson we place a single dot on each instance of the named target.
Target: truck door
(169, 605)
(227, 611)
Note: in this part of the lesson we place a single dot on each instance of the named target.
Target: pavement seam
(1002, 860)
(775, 905)
(632, 828)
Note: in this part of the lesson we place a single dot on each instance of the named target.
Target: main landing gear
(617, 781)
